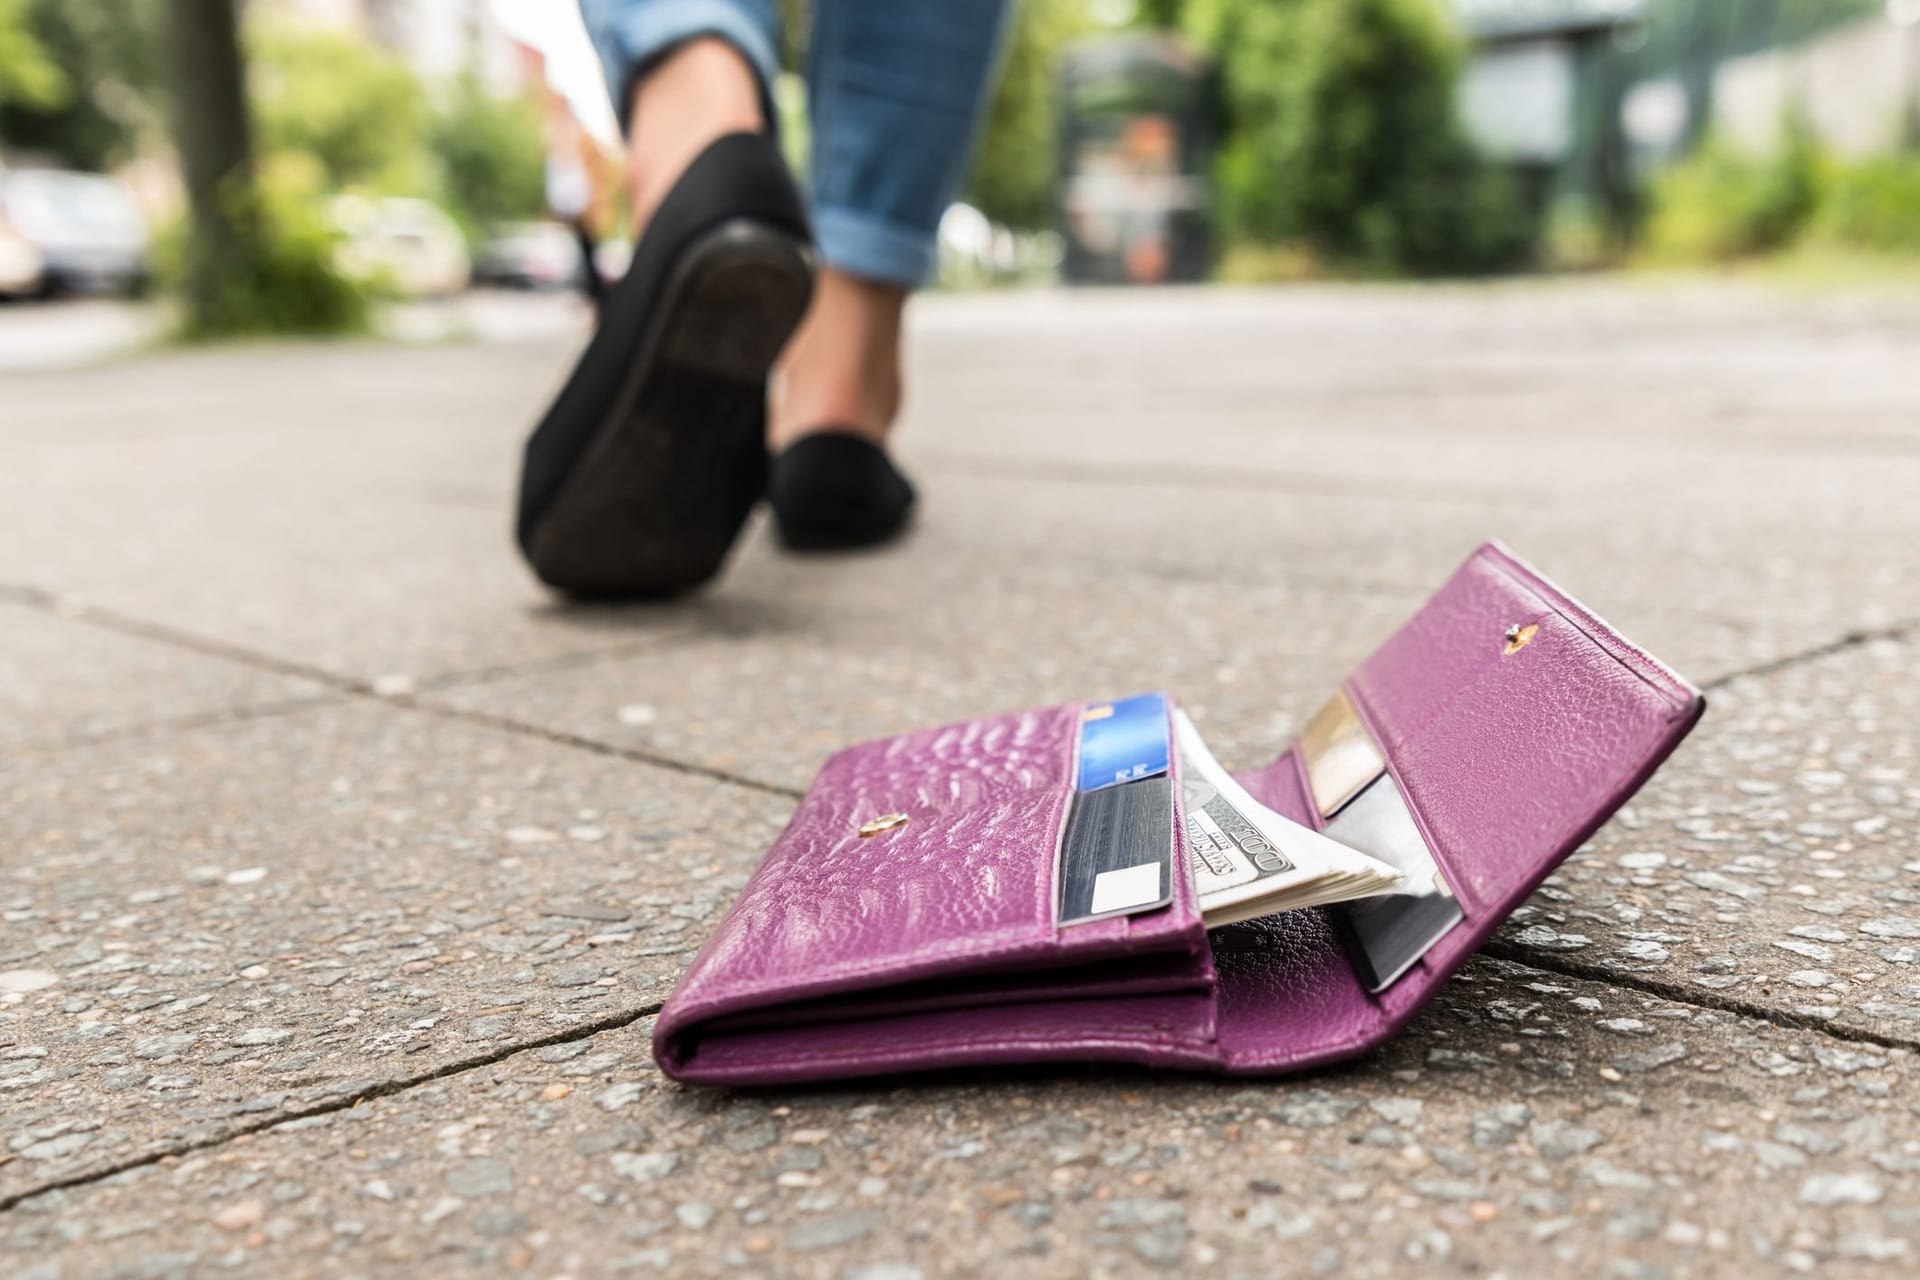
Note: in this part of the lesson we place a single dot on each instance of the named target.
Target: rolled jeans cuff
(864, 246)
(638, 34)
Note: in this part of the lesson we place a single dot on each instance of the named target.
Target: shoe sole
(658, 496)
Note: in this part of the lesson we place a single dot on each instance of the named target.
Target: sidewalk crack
(579, 742)
(354, 686)
(165, 726)
(72, 610)
(1855, 639)
(1679, 993)
(345, 1101)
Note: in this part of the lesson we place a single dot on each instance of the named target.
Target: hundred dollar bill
(1249, 861)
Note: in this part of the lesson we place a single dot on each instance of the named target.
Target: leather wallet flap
(1515, 722)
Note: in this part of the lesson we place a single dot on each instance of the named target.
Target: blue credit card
(1123, 741)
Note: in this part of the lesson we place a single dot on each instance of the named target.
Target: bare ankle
(696, 93)
(842, 369)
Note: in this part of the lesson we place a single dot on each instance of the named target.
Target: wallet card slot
(1465, 892)
(955, 883)
(1152, 974)
(1116, 851)
(1154, 1031)
(1287, 989)
(1287, 993)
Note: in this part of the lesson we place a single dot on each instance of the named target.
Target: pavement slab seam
(1855, 639)
(168, 725)
(73, 610)
(1682, 994)
(553, 664)
(141, 628)
(1302, 1098)
(113, 620)
(357, 687)
(119, 623)
(509, 724)
(425, 705)
(346, 1100)
(439, 903)
(1670, 1063)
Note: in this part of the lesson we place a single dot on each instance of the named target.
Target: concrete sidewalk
(344, 869)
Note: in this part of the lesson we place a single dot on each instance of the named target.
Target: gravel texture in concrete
(341, 869)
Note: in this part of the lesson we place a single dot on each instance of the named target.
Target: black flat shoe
(833, 491)
(639, 477)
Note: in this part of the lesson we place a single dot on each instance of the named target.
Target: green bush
(1723, 203)
(350, 104)
(1341, 135)
(1012, 174)
(105, 51)
(1874, 205)
(492, 158)
(28, 74)
(283, 279)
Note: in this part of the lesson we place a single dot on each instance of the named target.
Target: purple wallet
(1513, 721)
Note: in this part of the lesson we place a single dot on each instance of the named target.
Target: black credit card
(1390, 933)
(1116, 856)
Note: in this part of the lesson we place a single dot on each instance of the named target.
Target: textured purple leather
(963, 893)
(1288, 993)
(934, 945)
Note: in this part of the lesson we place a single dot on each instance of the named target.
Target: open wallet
(914, 914)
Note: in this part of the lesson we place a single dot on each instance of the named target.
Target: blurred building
(439, 39)
(1581, 97)
(1542, 92)
(1847, 70)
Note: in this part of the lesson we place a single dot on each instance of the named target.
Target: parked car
(407, 245)
(530, 255)
(22, 271)
(87, 230)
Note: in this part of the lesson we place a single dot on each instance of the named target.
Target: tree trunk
(216, 151)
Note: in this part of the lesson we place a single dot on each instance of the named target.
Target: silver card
(1390, 933)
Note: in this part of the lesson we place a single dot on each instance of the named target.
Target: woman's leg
(681, 73)
(641, 473)
(897, 91)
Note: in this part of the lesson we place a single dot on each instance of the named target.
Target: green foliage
(795, 126)
(362, 115)
(1341, 135)
(1873, 205)
(796, 29)
(1011, 179)
(107, 50)
(28, 74)
(351, 105)
(1723, 203)
(1246, 263)
(1159, 13)
(284, 280)
(492, 157)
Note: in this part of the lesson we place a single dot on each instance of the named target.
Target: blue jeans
(895, 93)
